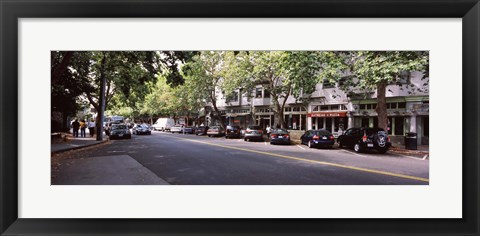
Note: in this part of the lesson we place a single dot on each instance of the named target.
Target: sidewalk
(65, 142)
(422, 151)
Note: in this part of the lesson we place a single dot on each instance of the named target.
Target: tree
(126, 75)
(204, 76)
(374, 71)
(66, 87)
(281, 73)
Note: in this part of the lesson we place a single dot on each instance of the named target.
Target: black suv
(232, 131)
(365, 138)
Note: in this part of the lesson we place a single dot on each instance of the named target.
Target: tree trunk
(279, 116)
(101, 111)
(382, 106)
(65, 127)
(219, 116)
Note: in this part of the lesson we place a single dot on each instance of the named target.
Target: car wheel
(357, 148)
(309, 144)
(340, 145)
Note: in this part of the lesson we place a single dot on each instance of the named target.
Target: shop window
(258, 92)
(343, 107)
(233, 97)
(365, 122)
(266, 93)
(340, 124)
(399, 125)
(328, 84)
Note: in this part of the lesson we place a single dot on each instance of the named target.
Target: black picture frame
(11, 11)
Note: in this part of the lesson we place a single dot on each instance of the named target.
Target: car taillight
(388, 138)
(364, 138)
(286, 135)
(273, 135)
(316, 137)
(248, 131)
(331, 137)
(260, 132)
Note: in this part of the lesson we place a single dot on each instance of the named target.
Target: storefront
(295, 117)
(335, 122)
(238, 117)
(264, 117)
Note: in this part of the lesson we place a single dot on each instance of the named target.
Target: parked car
(119, 131)
(253, 132)
(163, 124)
(279, 136)
(176, 129)
(189, 130)
(232, 131)
(365, 138)
(202, 130)
(108, 127)
(141, 129)
(215, 131)
(318, 138)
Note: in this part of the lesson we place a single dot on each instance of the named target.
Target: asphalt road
(200, 160)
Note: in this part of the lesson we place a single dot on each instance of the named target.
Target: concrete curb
(79, 147)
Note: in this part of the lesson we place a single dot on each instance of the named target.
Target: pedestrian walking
(83, 127)
(269, 130)
(75, 126)
(91, 127)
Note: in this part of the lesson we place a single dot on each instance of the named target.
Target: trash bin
(411, 141)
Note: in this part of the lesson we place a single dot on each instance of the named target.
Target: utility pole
(102, 99)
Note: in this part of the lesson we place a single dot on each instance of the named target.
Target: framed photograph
(249, 118)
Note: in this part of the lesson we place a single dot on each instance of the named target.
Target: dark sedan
(189, 130)
(141, 129)
(318, 138)
(232, 131)
(201, 130)
(120, 131)
(279, 136)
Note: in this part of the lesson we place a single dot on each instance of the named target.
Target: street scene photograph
(240, 118)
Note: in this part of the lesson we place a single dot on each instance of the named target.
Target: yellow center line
(313, 161)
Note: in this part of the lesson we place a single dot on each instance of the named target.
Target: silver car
(253, 132)
(176, 129)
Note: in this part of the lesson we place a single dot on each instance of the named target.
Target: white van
(163, 124)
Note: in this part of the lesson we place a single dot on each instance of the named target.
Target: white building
(330, 108)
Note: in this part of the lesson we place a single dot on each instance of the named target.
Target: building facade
(330, 108)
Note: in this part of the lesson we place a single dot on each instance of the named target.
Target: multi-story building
(330, 108)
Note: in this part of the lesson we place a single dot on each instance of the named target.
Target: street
(199, 160)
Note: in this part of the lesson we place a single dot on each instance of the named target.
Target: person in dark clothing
(76, 126)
